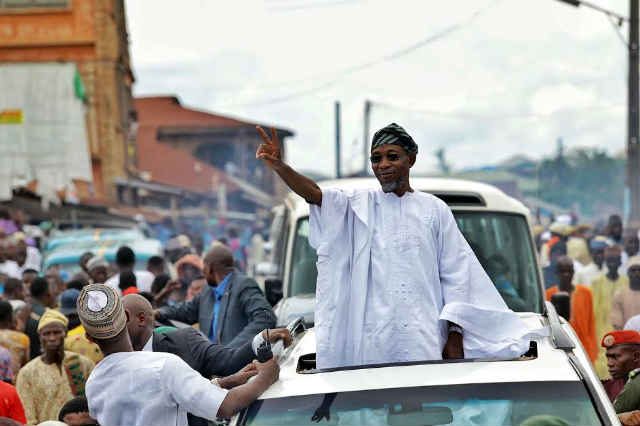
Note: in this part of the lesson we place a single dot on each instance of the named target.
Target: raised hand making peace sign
(269, 150)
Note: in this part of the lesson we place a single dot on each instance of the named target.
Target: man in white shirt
(151, 388)
(8, 266)
(588, 273)
(397, 281)
(126, 262)
(230, 364)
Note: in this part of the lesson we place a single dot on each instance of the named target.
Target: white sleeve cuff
(257, 341)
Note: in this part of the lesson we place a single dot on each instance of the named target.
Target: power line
(387, 58)
(616, 27)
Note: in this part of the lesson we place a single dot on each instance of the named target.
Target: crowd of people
(50, 345)
(96, 347)
(599, 270)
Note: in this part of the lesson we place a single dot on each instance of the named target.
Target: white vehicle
(495, 225)
(554, 378)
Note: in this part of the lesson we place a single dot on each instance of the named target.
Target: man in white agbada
(397, 281)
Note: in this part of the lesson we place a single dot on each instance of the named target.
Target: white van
(554, 378)
(496, 226)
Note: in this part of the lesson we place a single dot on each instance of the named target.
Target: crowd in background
(599, 269)
(45, 357)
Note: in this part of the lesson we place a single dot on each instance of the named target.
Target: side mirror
(273, 290)
(562, 302)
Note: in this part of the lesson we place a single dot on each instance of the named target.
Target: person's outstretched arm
(269, 152)
(243, 395)
(204, 399)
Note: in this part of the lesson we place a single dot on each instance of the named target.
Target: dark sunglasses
(392, 156)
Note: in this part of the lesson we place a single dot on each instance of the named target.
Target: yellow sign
(11, 116)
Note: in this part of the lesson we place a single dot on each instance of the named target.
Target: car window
(486, 404)
(501, 242)
(303, 262)
(503, 246)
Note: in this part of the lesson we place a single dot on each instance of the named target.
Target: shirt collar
(221, 287)
(148, 347)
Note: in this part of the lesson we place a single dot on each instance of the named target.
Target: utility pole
(365, 140)
(338, 154)
(633, 97)
(633, 101)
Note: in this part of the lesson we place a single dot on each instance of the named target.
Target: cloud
(512, 81)
(550, 99)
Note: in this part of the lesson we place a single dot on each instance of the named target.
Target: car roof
(70, 253)
(493, 198)
(551, 364)
(60, 238)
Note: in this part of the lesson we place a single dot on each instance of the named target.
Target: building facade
(92, 34)
(198, 164)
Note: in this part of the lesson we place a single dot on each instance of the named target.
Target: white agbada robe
(391, 272)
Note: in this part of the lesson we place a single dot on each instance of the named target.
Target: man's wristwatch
(455, 329)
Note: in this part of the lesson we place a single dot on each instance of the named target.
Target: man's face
(210, 274)
(21, 253)
(188, 273)
(391, 165)
(56, 286)
(78, 419)
(598, 256)
(613, 262)
(622, 359)
(631, 245)
(615, 228)
(52, 337)
(98, 274)
(565, 272)
(634, 275)
(28, 277)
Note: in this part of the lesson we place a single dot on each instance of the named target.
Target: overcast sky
(486, 79)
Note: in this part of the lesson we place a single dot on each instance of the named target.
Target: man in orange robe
(582, 318)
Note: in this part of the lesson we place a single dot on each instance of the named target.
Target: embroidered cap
(101, 312)
(394, 135)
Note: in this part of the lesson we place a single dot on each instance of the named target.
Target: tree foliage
(588, 177)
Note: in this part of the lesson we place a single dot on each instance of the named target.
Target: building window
(34, 4)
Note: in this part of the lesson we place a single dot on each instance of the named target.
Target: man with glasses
(396, 279)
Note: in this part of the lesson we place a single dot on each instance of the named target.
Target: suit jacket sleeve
(186, 312)
(211, 359)
(256, 309)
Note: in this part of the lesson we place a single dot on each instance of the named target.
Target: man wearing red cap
(623, 362)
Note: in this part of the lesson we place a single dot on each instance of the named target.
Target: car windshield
(490, 404)
(501, 242)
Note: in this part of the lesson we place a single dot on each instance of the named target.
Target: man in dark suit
(209, 359)
(231, 310)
